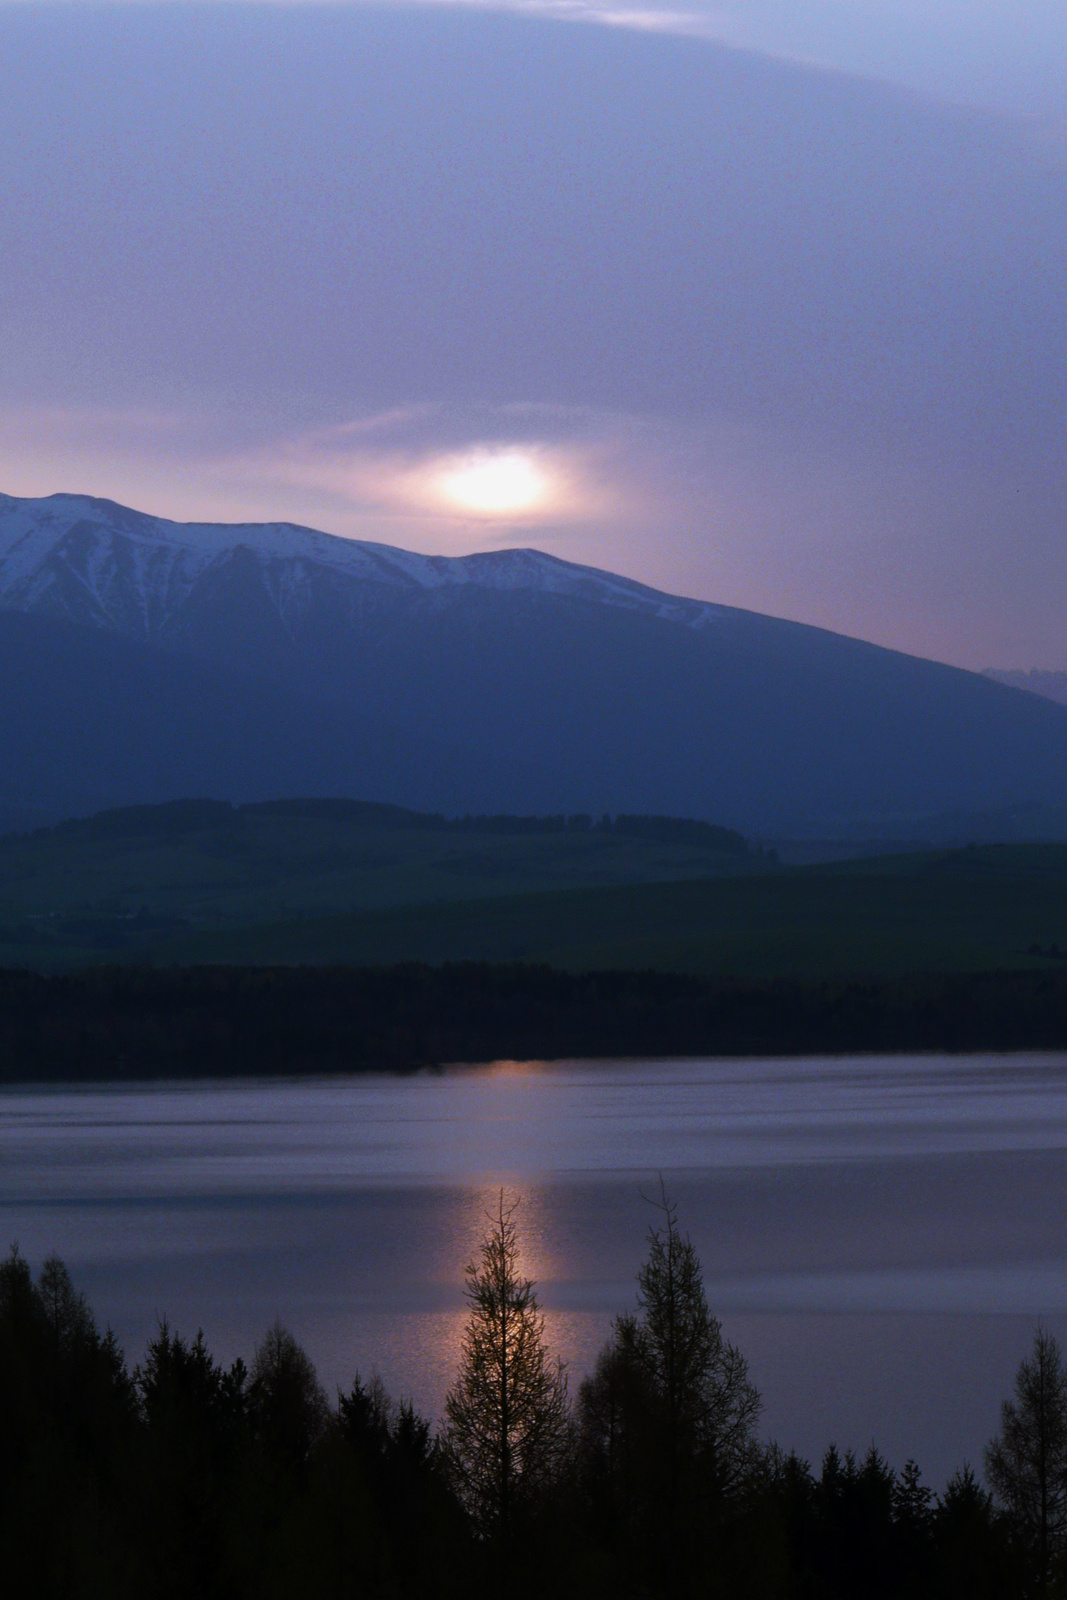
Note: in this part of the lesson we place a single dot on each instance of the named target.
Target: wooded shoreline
(135, 1023)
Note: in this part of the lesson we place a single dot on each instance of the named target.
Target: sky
(760, 302)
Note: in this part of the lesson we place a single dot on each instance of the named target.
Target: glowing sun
(500, 483)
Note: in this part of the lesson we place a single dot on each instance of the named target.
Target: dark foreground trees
(67, 1423)
(1026, 1465)
(187, 1478)
(668, 1420)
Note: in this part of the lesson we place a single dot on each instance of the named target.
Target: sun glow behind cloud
(503, 483)
(422, 476)
(528, 468)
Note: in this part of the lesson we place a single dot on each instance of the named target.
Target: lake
(879, 1235)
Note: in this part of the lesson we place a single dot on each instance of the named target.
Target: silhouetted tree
(365, 1414)
(913, 1525)
(672, 1358)
(179, 1379)
(855, 1518)
(67, 1430)
(1026, 1464)
(508, 1428)
(287, 1403)
(405, 1483)
(193, 1414)
(971, 1559)
(668, 1418)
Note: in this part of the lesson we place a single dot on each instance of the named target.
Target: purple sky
(762, 302)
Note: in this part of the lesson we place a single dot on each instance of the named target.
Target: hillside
(107, 886)
(145, 660)
(985, 909)
(339, 882)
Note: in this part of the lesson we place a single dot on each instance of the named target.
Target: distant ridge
(1052, 685)
(144, 660)
(181, 816)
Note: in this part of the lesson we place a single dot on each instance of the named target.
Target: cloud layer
(775, 336)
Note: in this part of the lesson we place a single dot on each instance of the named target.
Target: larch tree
(508, 1430)
(287, 1404)
(1026, 1464)
(709, 1405)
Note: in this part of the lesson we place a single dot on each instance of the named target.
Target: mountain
(146, 660)
(1053, 685)
(93, 561)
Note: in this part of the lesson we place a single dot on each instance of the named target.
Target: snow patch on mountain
(94, 561)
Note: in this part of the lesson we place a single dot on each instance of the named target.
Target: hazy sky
(763, 302)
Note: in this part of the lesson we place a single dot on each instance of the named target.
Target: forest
(648, 1478)
(131, 1022)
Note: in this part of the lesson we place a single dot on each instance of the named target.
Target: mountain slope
(266, 661)
(93, 561)
(90, 719)
(1053, 685)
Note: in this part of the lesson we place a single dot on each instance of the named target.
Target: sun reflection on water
(471, 1214)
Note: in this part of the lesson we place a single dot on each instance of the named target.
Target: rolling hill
(105, 882)
(323, 883)
(988, 909)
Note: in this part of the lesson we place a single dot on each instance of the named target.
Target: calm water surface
(879, 1235)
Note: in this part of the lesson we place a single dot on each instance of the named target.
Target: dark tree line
(186, 1478)
(139, 1022)
(176, 817)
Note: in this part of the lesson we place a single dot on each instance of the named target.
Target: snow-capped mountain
(93, 561)
(146, 660)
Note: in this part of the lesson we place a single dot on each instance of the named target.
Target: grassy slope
(937, 911)
(263, 866)
(268, 888)
(76, 893)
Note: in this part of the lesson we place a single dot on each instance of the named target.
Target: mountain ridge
(40, 547)
(1035, 680)
(145, 660)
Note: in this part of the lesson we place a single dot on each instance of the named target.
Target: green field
(949, 911)
(261, 886)
(114, 885)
